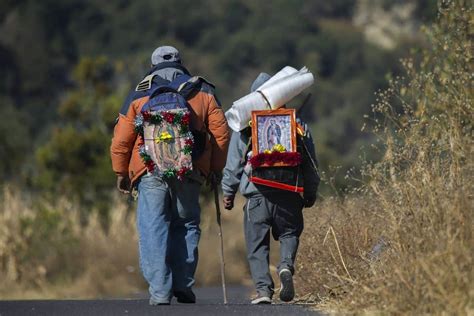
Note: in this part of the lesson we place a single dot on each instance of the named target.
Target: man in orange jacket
(168, 213)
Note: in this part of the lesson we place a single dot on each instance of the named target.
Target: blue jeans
(168, 218)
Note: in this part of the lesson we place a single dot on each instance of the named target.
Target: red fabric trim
(277, 185)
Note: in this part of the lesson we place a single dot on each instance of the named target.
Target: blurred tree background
(67, 65)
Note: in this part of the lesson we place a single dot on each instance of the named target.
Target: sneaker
(287, 290)
(186, 296)
(154, 302)
(262, 299)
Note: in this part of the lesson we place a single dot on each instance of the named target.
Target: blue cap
(165, 53)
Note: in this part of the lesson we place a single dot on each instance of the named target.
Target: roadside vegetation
(399, 242)
(403, 242)
(46, 252)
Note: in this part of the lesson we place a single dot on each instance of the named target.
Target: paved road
(209, 302)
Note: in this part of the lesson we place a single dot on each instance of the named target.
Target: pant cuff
(265, 293)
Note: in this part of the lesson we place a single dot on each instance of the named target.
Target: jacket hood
(168, 70)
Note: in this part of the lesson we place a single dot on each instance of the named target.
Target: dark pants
(282, 213)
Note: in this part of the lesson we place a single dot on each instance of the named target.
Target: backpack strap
(161, 89)
(183, 84)
(167, 86)
(248, 147)
(192, 85)
(202, 79)
(179, 81)
(145, 84)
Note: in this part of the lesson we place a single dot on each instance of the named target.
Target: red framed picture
(274, 138)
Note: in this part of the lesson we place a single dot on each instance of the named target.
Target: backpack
(164, 125)
(276, 167)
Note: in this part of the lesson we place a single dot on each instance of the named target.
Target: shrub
(405, 244)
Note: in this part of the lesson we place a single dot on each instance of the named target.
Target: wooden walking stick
(218, 213)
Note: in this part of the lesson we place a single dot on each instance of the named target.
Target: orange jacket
(206, 116)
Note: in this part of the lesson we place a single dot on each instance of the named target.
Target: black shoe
(186, 296)
(287, 290)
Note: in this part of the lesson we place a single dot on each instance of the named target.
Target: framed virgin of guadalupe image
(274, 137)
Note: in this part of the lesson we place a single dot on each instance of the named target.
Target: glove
(309, 199)
(228, 202)
(123, 184)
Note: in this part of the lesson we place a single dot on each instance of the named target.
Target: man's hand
(123, 184)
(228, 202)
(309, 199)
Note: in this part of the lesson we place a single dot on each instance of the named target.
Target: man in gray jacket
(269, 209)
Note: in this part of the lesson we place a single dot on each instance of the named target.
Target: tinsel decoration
(181, 119)
(139, 124)
(150, 165)
(180, 174)
(188, 147)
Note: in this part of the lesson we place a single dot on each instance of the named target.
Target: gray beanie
(165, 53)
(261, 79)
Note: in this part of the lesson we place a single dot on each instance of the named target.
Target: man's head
(165, 54)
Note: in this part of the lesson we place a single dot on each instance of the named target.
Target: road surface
(209, 302)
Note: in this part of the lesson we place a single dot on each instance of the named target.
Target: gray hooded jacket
(236, 172)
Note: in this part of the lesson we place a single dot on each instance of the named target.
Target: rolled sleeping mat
(276, 92)
(283, 90)
(239, 115)
(284, 72)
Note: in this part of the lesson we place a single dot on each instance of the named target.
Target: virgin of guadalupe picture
(166, 150)
(273, 138)
(273, 134)
(274, 130)
(165, 146)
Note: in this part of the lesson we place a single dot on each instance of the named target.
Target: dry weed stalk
(331, 230)
(419, 197)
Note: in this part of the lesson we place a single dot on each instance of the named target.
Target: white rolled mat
(238, 116)
(278, 90)
(285, 89)
(284, 72)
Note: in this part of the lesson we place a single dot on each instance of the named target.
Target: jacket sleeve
(220, 136)
(234, 166)
(123, 141)
(310, 164)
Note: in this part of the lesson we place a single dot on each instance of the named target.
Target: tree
(75, 159)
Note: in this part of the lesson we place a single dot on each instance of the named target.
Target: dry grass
(416, 204)
(46, 253)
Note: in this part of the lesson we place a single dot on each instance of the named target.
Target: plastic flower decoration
(164, 137)
(280, 148)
